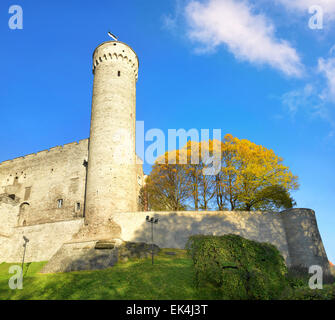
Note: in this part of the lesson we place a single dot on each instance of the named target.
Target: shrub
(298, 277)
(237, 267)
(305, 293)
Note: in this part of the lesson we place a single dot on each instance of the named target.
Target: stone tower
(304, 242)
(111, 172)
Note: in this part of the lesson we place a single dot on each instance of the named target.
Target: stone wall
(31, 186)
(303, 238)
(294, 232)
(38, 181)
(9, 209)
(44, 241)
(174, 228)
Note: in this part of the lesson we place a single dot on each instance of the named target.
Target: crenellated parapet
(115, 51)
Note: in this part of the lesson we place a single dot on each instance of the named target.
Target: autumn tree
(201, 185)
(272, 198)
(249, 177)
(257, 173)
(167, 185)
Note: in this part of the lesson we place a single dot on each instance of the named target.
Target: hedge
(238, 268)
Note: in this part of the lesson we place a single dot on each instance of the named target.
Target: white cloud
(308, 102)
(316, 99)
(297, 99)
(170, 22)
(249, 36)
(327, 68)
(302, 6)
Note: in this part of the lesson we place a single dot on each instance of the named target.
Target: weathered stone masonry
(38, 182)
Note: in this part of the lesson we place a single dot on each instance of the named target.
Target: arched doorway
(24, 213)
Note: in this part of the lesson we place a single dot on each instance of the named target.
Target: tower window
(119, 73)
(59, 203)
(78, 206)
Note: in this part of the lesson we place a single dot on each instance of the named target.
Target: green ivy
(237, 267)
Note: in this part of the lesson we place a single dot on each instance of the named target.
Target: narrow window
(27, 193)
(78, 206)
(119, 73)
(59, 203)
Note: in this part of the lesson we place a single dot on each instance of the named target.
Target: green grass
(171, 277)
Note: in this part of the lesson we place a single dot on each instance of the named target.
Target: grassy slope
(170, 278)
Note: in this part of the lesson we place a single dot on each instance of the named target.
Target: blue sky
(254, 69)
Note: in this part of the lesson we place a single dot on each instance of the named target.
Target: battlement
(115, 51)
(40, 154)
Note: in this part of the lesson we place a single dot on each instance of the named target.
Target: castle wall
(174, 228)
(303, 239)
(9, 209)
(38, 181)
(44, 241)
(294, 232)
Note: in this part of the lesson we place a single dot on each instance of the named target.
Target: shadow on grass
(169, 278)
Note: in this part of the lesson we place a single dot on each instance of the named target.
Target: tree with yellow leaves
(256, 177)
(249, 177)
(167, 185)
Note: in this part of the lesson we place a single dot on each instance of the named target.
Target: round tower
(304, 241)
(111, 175)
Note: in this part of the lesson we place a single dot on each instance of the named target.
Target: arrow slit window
(59, 203)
